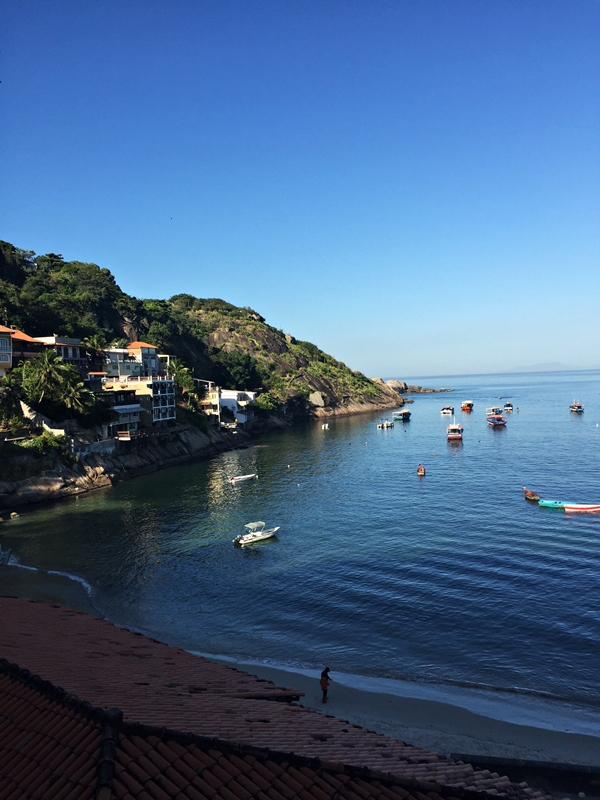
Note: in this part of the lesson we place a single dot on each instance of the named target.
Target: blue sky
(413, 186)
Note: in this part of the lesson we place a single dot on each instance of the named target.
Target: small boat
(467, 405)
(508, 407)
(577, 408)
(420, 470)
(325, 426)
(493, 410)
(582, 508)
(551, 503)
(454, 432)
(385, 423)
(496, 420)
(529, 495)
(255, 532)
(447, 411)
(240, 478)
(403, 415)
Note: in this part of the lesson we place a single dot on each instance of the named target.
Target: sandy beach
(438, 726)
(441, 727)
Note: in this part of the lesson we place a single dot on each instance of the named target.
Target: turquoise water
(453, 580)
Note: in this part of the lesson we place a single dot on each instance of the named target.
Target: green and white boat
(255, 532)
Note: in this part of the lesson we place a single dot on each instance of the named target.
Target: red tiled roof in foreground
(186, 728)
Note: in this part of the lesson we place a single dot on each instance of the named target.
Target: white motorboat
(255, 532)
(447, 411)
(385, 423)
(240, 478)
(454, 432)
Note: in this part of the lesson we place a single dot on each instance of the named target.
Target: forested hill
(45, 295)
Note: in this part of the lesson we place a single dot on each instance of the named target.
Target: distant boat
(529, 495)
(447, 411)
(508, 407)
(403, 415)
(551, 503)
(577, 408)
(240, 478)
(454, 432)
(582, 508)
(496, 420)
(467, 405)
(385, 423)
(325, 426)
(255, 532)
(493, 410)
(420, 470)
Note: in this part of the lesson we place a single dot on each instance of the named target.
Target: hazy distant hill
(233, 346)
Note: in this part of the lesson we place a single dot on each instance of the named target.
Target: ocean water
(453, 583)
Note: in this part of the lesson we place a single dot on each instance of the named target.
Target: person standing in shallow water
(325, 683)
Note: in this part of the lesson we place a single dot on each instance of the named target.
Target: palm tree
(75, 396)
(44, 375)
(177, 370)
(95, 343)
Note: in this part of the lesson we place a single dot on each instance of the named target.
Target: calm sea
(453, 581)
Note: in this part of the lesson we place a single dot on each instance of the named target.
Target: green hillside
(233, 346)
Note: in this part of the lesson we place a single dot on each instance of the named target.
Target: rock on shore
(138, 457)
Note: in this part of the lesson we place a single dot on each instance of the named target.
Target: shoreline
(418, 714)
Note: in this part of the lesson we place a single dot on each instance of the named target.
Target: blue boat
(552, 503)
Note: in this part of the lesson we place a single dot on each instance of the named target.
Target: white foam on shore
(14, 562)
(512, 707)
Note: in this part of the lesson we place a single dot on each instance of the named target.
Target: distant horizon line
(506, 372)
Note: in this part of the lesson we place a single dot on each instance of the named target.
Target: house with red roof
(16, 346)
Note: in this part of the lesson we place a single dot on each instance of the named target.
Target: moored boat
(385, 423)
(529, 495)
(496, 420)
(582, 508)
(447, 411)
(493, 410)
(467, 405)
(420, 470)
(576, 408)
(454, 432)
(403, 415)
(240, 478)
(551, 503)
(255, 532)
(508, 407)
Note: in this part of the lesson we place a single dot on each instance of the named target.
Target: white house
(241, 404)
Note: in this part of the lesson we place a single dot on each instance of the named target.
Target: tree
(75, 396)
(95, 343)
(177, 370)
(44, 376)
(10, 396)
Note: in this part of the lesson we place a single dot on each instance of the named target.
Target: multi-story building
(156, 396)
(5, 350)
(23, 347)
(147, 355)
(119, 362)
(70, 350)
(241, 404)
(125, 411)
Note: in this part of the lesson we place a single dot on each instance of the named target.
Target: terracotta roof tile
(166, 688)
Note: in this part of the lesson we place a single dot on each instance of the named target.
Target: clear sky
(412, 185)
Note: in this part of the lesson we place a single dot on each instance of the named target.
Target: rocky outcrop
(129, 459)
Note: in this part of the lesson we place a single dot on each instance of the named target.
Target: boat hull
(552, 503)
(252, 538)
(582, 508)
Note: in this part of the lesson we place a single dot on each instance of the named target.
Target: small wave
(14, 562)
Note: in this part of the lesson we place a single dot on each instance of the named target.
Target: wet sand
(441, 727)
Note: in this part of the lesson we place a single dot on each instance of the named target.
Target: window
(4, 358)
(4, 344)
